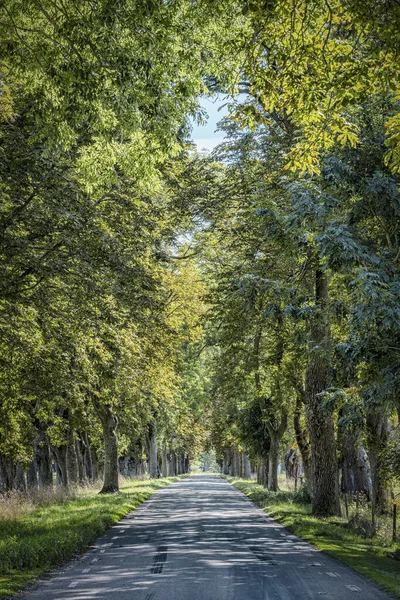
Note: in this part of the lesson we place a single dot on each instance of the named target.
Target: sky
(206, 136)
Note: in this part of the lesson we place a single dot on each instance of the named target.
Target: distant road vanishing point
(202, 539)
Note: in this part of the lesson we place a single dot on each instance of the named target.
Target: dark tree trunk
(172, 464)
(60, 456)
(236, 463)
(31, 476)
(87, 457)
(227, 462)
(153, 458)
(302, 436)
(262, 471)
(292, 463)
(276, 430)
(7, 473)
(79, 445)
(325, 481)
(20, 481)
(273, 463)
(109, 423)
(43, 457)
(164, 460)
(356, 471)
(72, 460)
(94, 463)
(377, 435)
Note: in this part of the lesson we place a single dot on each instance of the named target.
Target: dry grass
(16, 504)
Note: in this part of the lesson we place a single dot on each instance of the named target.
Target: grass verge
(44, 538)
(371, 558)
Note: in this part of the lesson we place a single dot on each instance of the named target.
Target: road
(201, 539)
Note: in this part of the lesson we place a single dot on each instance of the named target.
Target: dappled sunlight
(199, 539)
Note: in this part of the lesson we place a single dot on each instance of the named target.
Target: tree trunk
(273, 462)
(301, 436)
(377, 435)
(227, 462)
(109, 423)
(164, 460)
(87, 457)
(20, 481)
(262, 471)
(275, 430)
(172, 464)
(60, 456)
(7, 473)
(94, 462)
(153, 459)
(72, 460)
(356, 471)
(246, 467)
(325, 482)
(80, 449)
(31, 476)
(43, 457)
(236, 463)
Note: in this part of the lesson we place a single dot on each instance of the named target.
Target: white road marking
(316, 564)
(73, 584)
(95, 560)
(332, 574)
(102, 551)
(115, 537)
(353, 588)
(122, 531)
(85, 570)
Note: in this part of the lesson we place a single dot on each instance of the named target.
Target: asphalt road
(201, 539)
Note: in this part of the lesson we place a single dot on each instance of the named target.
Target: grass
(371, 558)
(38, 536)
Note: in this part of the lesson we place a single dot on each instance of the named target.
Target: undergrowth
(372, 558)
(36, 536)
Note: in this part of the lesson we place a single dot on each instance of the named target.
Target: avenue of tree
(156, 303)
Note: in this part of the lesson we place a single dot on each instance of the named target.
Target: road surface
(202, 539)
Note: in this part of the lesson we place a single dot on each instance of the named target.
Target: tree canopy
(156, 303)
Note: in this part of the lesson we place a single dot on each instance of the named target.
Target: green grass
(43, 538)
(371, 558)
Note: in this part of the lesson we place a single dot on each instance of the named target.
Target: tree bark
(377, 435)
(325, 482)
(43, 457)
(20, 481)
(301, 436)
(87, 456)
(275, 431)
(356, 471)
(109, 423)
(164, 460)
(246, 467)
(153, 458)
(273, 461)
(172, 464)
(60, 456)
(7, 473)
(31, 476)
(72, 460)
(262, 471)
